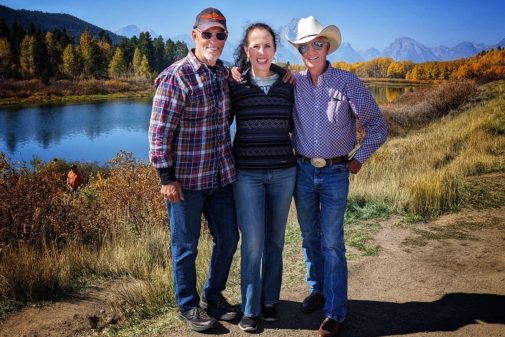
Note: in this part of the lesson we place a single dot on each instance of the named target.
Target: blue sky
(363, 23)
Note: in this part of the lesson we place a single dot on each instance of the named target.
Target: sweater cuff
(167, 175)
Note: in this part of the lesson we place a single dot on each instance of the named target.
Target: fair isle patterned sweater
(264, 122)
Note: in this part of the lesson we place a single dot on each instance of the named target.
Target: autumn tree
(71, 63)
(342, 65)
(86, 51)
(94, 59)
(6, 64)
(396, 70)
(136, 62)
(117, 66)
(27, 56)
(144, 70)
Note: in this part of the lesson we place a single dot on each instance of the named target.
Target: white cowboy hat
(309, 28)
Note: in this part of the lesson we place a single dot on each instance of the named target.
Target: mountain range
(403, 48)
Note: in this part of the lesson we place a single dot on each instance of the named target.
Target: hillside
(49, 21)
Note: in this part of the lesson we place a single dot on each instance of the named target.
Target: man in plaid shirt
(190, 146)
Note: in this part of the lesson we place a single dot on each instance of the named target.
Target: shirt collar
(325, 74)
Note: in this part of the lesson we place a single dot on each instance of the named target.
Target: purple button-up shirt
(325, 116)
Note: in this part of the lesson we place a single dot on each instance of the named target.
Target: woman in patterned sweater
(266, 171)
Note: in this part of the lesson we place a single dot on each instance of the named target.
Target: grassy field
(53, 242)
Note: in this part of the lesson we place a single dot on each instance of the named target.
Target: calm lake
(95, 132)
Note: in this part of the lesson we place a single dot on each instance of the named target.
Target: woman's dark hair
(240, 55)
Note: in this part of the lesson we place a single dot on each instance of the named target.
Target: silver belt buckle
(318, 162)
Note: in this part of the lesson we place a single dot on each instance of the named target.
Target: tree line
(486, 66)
(48, 55)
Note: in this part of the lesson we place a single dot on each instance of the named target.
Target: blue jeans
(218, 207)
(263, 198)
(321, 199)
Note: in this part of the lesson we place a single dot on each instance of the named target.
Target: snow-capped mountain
(405, 48)
(133, 30)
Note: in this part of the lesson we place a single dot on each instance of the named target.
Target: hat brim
(332, 33)
(210, 24)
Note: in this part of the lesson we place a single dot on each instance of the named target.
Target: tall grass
(424, 171)
(52, 241)
(415, 110)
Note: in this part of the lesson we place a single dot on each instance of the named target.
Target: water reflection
(93, 132)
(97, 131)
(384, 94)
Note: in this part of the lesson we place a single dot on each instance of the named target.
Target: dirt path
(443, 278)
(81, 315)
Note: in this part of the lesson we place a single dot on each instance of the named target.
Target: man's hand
(172, 192)
(235, 74)
(354, 166)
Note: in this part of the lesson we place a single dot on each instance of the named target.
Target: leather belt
(321, 162)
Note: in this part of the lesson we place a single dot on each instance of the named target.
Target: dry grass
(51, 242)
(424, 172)
(417, 109)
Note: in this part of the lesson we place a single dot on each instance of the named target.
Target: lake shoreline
(19, 92)
(28, 92)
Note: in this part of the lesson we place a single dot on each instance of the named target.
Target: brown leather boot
(329, 328)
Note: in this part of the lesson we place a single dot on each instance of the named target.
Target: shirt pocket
(199, 105)
(339, 110)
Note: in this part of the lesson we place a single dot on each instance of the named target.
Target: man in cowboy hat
(190, 146)
(328, 102)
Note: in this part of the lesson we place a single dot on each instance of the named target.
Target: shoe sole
(247, 329)
(198, 328)
(229, 316)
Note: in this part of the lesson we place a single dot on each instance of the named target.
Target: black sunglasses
(220, 36)
(317, 45)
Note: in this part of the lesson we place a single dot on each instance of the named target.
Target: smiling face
(260, 50)
(315, 60)
(208, 51)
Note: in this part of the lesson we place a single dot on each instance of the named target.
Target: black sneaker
(269, 312)
(221, 310)
(197, 319)
(248, 323)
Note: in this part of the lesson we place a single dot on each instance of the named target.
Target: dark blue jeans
(218, 207)
(263, 199)
(321, 199)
